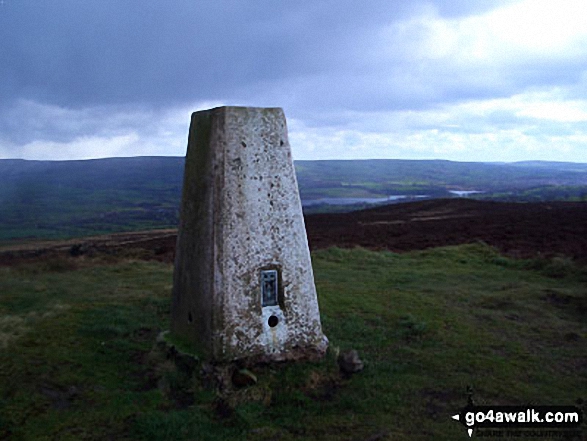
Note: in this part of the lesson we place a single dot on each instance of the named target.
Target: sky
(463, 80)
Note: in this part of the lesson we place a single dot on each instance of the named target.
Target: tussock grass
(14, 326)
(76, 359)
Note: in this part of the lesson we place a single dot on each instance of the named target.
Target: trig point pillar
(243, 284)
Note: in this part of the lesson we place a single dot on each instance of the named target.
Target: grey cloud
(27, 121)
(76, 53)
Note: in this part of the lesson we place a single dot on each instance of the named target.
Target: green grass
(76, 340)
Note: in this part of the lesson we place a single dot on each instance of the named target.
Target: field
(79, 319)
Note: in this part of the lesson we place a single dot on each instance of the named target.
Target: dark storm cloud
(77, 53)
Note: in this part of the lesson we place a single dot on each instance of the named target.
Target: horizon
(485, 81)
(302, 160)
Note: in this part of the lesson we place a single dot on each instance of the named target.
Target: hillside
(51, 199)
(517, 229)
(60, 199)
(432, 177)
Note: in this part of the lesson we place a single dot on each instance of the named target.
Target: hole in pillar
(190, 318)
(273, 321)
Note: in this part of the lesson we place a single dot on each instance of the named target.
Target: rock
(350, 362)
(72, 392)
(161, 342)
(185, 362)
(243, 378)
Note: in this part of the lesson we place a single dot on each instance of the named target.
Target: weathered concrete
(241, 214)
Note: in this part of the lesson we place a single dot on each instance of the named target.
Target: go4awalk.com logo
(510, 419)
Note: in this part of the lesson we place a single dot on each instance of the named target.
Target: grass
(76, 339)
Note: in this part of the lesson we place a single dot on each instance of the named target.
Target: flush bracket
(269, 288)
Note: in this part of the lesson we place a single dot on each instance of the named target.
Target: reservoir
(464, 193)
(351, 201)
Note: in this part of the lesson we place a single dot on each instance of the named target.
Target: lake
(461, 193)
(351, 201)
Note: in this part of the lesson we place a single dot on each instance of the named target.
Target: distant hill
(69, 198)
(386, 177)
(58, 199)
(563, 166)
